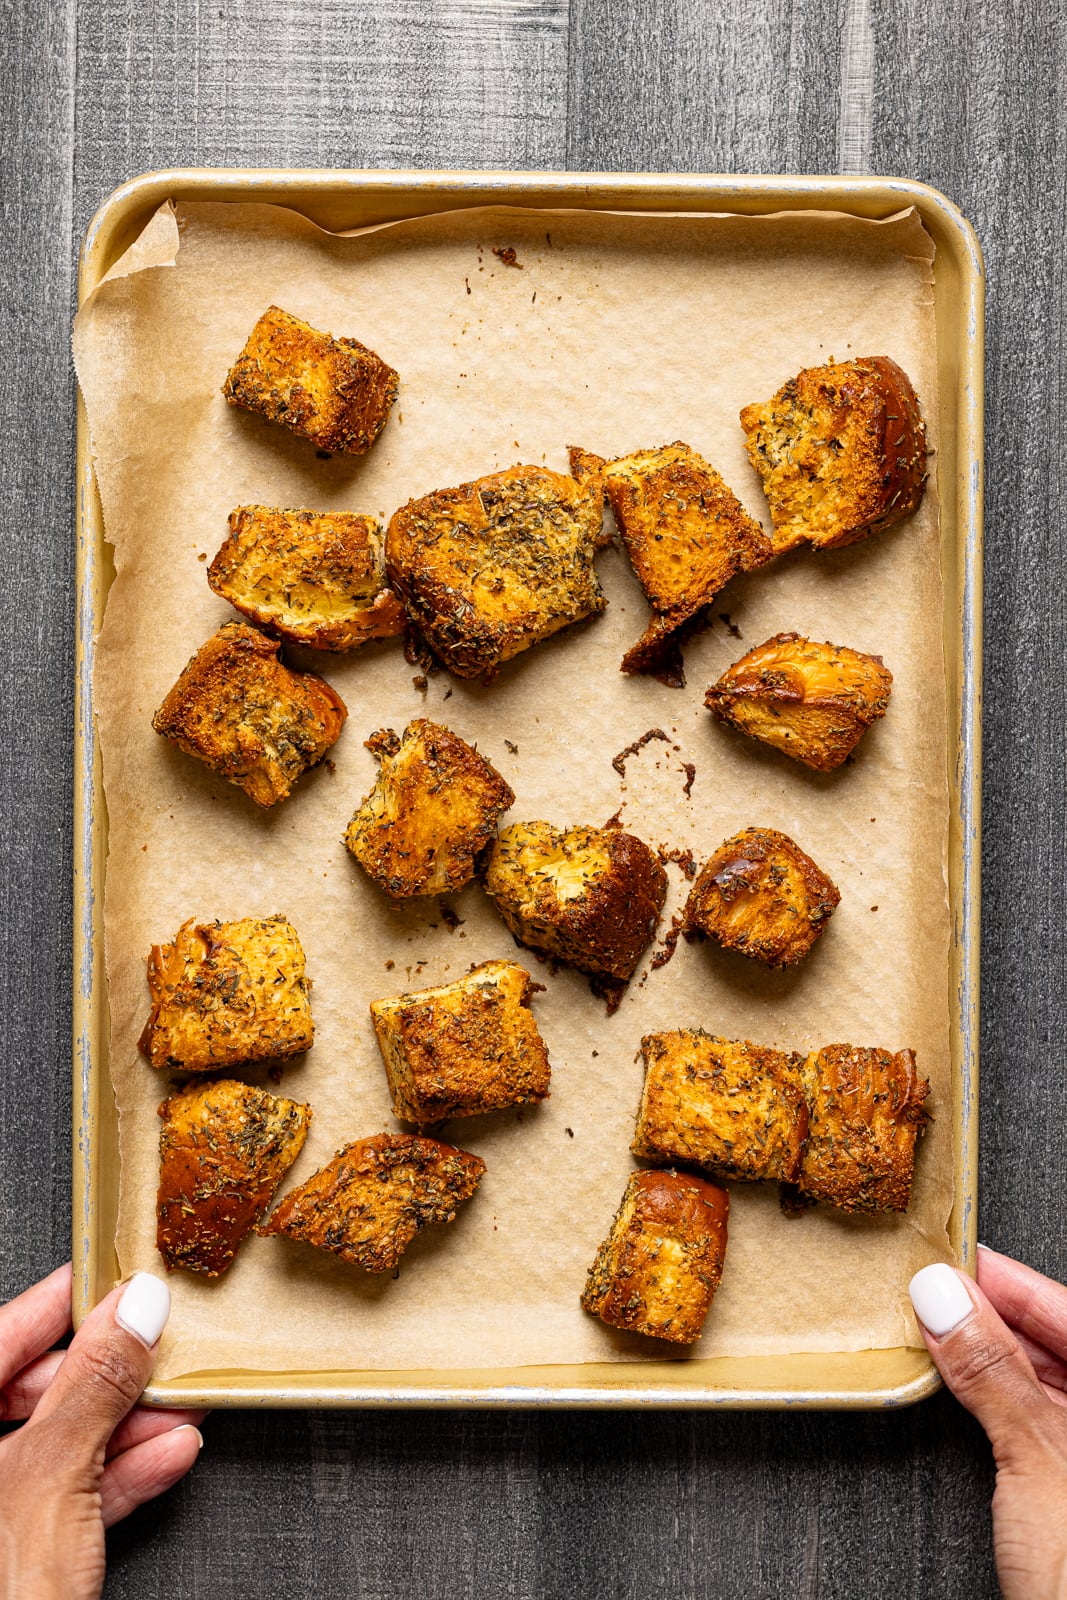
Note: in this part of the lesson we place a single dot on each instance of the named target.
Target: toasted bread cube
(223, 1149)
(249, 717)
(493, 567)
(308, 577)
(225, 993)
(841, 450)
(812, 701)
(589, 896)
(335, 392)
(734, 1108)
(433, 809)
(686, 535)
(375, 1195)
(866, 1112)
(658, 1269)
(464, 1048)
(761, 895)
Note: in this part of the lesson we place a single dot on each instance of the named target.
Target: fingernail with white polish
(144, 1307)
(940, 1300)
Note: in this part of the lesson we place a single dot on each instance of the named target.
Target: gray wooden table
(969, 97)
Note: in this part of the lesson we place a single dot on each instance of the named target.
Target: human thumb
(107, 1366)
(976, 1353)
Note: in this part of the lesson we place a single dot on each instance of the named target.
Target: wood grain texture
(965, 96)
(36, 683)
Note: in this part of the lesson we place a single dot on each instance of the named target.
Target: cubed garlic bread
(866, 1112)
(242, 712)
(761, 895)
(589, 896)
(841, 450)
(335, 392)
(464, 1048)
(315, 578)
(376, 1194)
(657, 1271)
(223, 1148)
(433, 809)
(224, 993)
(488, 569)
(686, 534)
(734, 1108)
(812, 701)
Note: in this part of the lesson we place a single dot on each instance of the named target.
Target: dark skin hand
(1005, 1358)
(86, 1454)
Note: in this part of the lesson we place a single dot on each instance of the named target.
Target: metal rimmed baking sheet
(351, 200)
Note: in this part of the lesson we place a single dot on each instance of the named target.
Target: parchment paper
(615, 332)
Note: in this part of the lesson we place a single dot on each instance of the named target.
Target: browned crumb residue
(276, 1074)
(417, 652)
(619, 761)
(681, 858)
(690, 777)
(610, 990)
(792, 1202)
(449, 917)
(383, 742)
(506, 253)
(421, 683)
(666, 950)
(731, 626)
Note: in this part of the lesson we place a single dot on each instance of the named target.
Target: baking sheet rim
(417, 192)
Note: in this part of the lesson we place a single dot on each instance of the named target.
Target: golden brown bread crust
(588, 470)
(734, 1108)
(368, 1204)
(433, 809)
(812, 701)
(335, 392)
(223, 1149)
(841, 450)
(866, 1113)
(589, 896)
(247, 716)
(761, 895)
(657, 1271)
(494, 566)
(584, 464)
(315, 578)
(225, 993)
(686, 534)
(464, 1048)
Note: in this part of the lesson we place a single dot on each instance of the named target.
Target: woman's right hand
(1001, 1347)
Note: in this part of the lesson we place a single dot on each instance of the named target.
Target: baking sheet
(615, 332)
